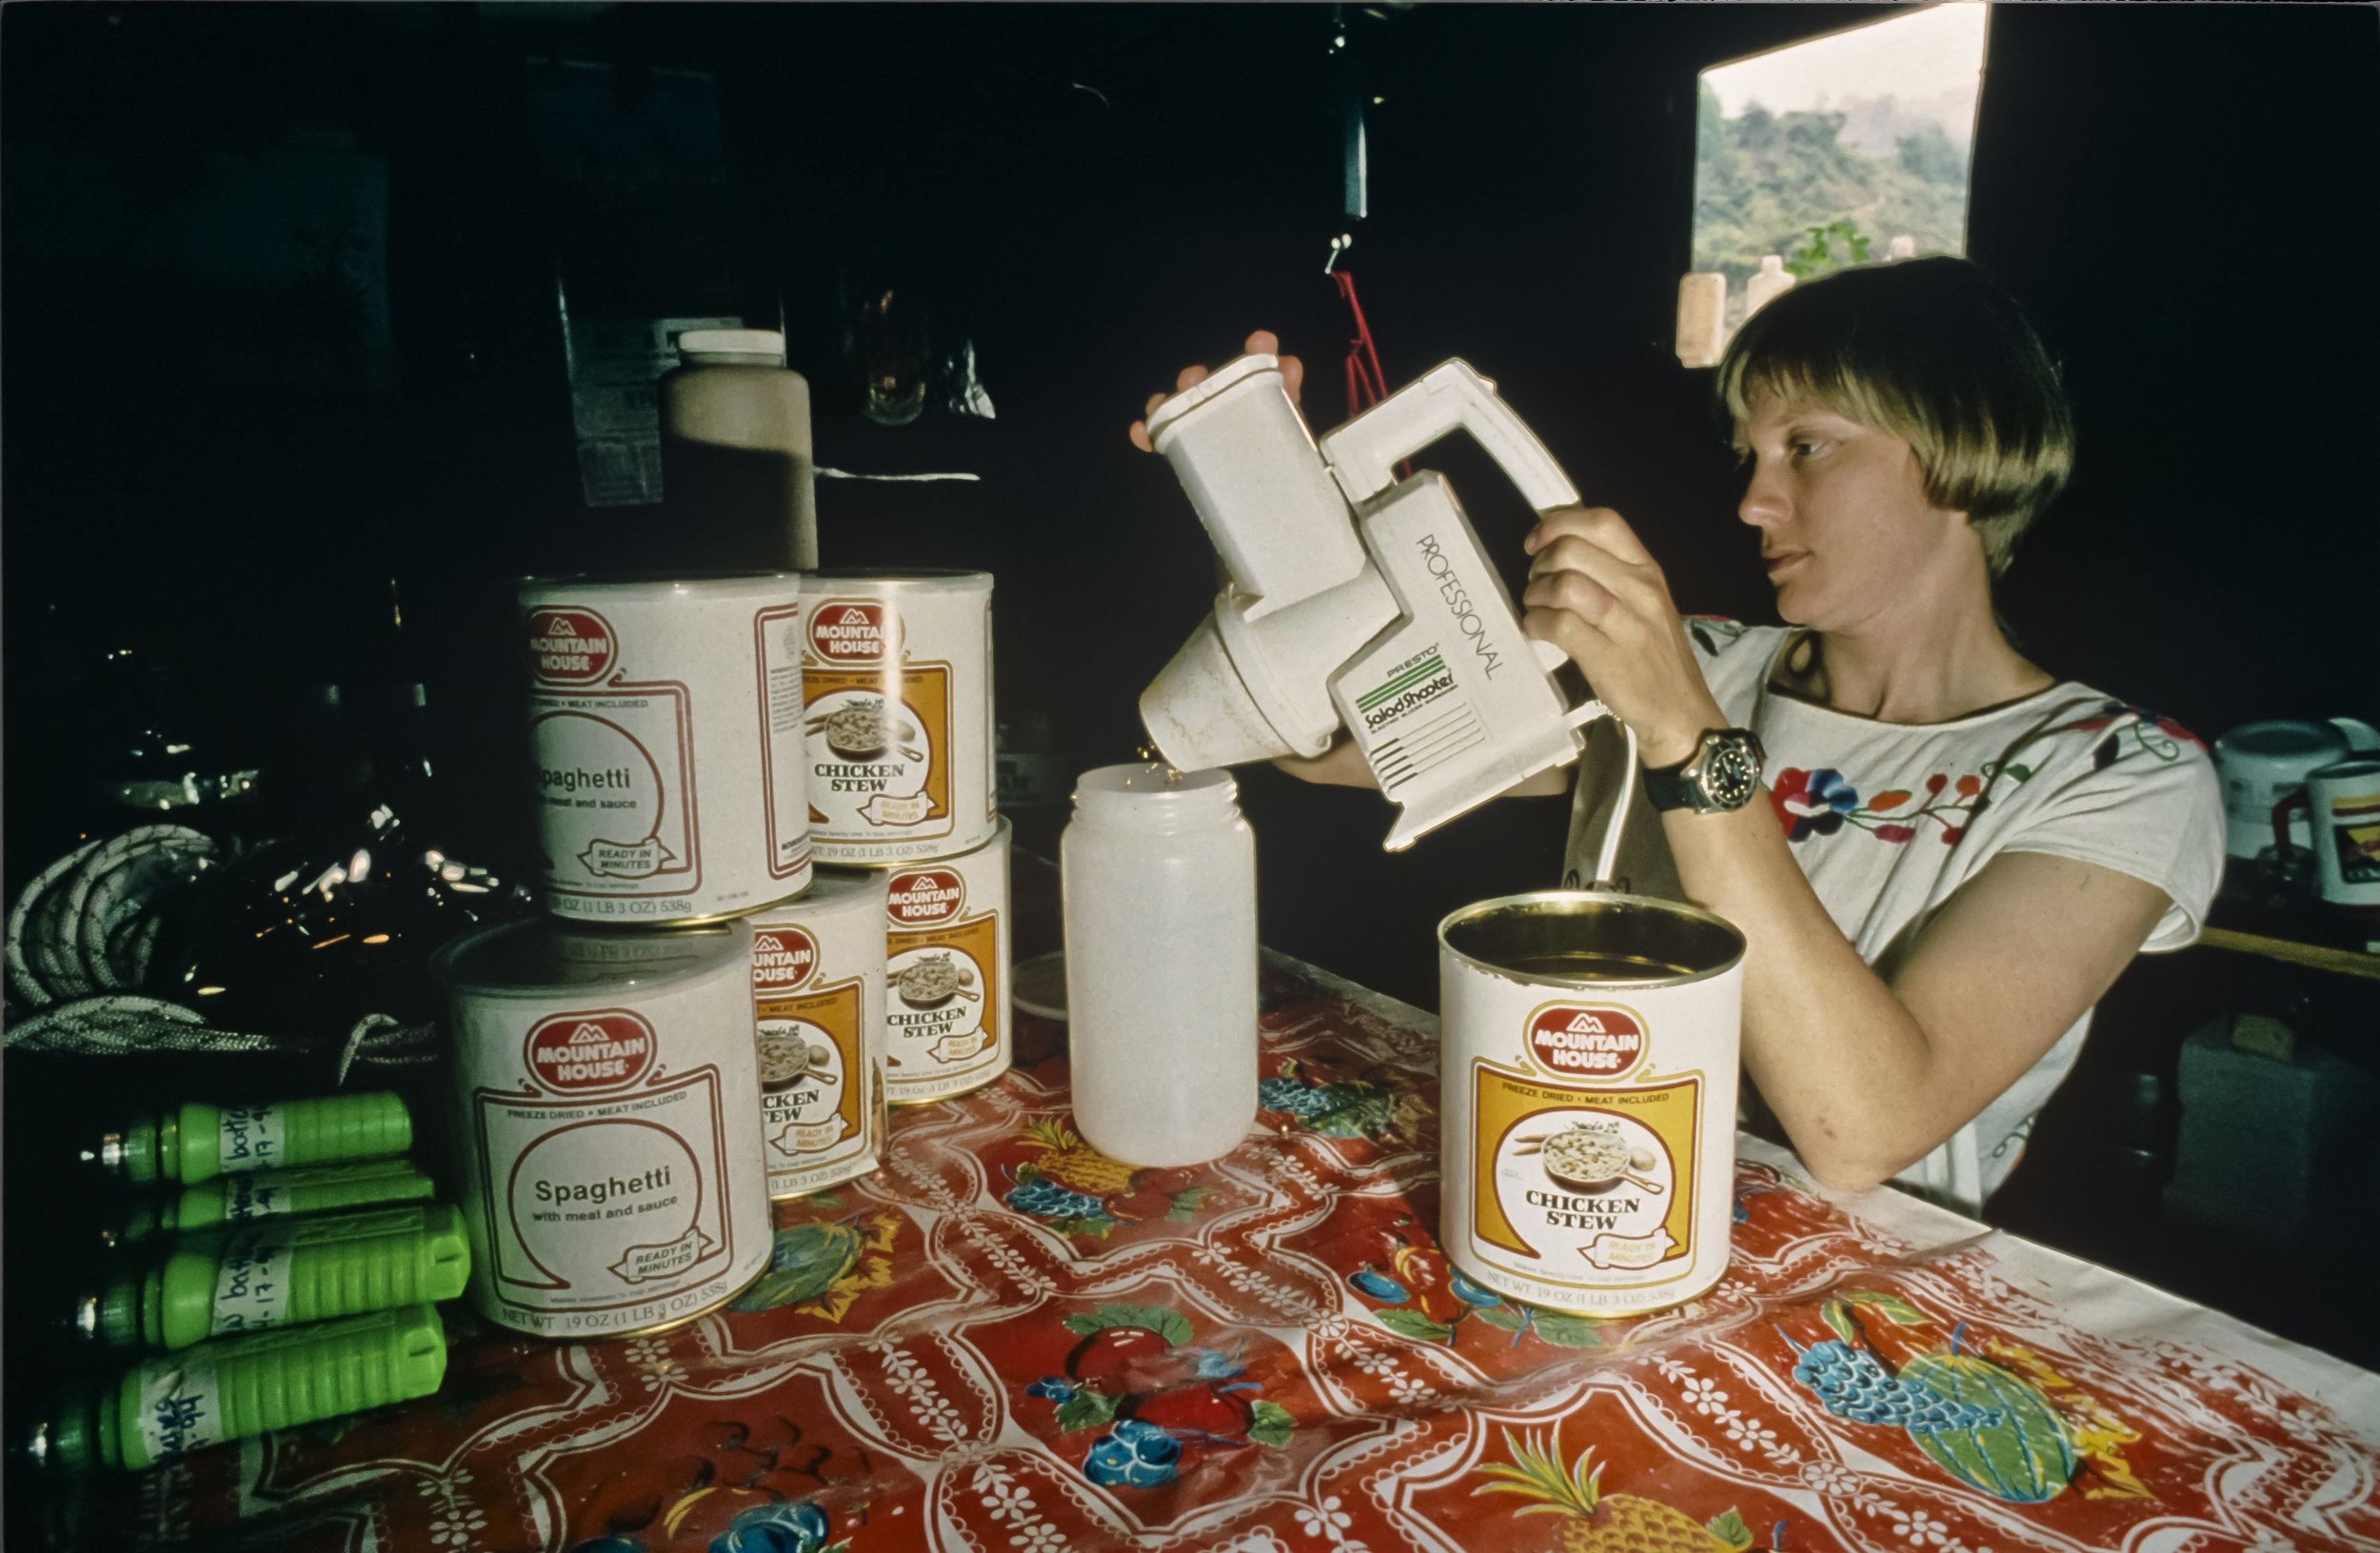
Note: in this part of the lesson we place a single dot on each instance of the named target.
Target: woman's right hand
(1263, 342)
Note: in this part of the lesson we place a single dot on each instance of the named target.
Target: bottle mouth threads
(1153, 794)
(111, 1155)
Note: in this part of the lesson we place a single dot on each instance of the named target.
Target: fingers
(1261, 342)
(1598, 525)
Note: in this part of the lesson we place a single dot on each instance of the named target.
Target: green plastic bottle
(266, 1194)
(237, 1387)
(280, 1272)
(195, 1141)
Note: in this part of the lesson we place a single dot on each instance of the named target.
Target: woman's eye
(1804, 447)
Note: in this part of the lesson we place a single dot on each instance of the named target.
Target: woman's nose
(1764, 503)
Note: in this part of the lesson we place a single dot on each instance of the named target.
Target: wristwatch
(1721, 775)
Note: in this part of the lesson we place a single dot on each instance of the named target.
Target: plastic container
(223, 1281)
(1763, 286)
(274, 1194)
(197, 1142)
(1158, 874)
(737, 472)
(236, 1388)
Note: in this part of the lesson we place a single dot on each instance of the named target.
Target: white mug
(2342, 804)
(2262, 764)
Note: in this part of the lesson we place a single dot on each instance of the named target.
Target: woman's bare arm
(1868, 1076)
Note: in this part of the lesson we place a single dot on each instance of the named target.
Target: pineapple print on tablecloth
(1600, 1522)
(1382, 1102)
(1077, 1190)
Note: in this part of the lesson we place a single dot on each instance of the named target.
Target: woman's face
(1845, 527)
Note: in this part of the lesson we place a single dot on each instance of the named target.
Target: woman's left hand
(1594, 593)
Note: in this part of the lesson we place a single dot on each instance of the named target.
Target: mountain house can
(607, 1124)
(947, 1023)
(1588, 1059)
(818, 999)
(665, 724)
(898, 671)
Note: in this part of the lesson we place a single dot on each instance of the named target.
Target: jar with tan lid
(737, 471)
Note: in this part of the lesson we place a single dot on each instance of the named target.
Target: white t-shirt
(1887, 820)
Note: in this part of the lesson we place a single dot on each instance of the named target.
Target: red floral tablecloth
(1005, 1341)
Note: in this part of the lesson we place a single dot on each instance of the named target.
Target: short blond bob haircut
(1932, 353)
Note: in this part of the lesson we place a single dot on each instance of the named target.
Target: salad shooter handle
(1363, 454)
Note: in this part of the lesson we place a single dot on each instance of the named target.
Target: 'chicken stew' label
(1578, 1187)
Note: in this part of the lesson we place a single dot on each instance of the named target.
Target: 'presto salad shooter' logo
(855, 631)
(569, 646)
(1588, 1042)
(1418, 683)
(570, 1054)
(1457, 600)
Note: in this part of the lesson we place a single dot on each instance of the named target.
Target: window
(1844, 148)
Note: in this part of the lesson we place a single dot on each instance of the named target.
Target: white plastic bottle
(1773, 279)
(735, 445)
(1159, 871)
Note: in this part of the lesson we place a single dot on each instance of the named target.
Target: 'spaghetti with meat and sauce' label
(608, 1137)
(665, 726)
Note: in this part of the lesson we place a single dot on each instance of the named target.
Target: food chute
(1357, 600)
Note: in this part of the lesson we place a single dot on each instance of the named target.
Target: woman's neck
(1934, 674)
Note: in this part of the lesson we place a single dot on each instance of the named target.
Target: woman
(1951, 853)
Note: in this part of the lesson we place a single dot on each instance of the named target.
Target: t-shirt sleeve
(2138, 796)
(1734, 658)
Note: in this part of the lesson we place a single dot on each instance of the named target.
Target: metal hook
(1338, 246)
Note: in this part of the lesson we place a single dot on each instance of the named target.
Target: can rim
(615, 583)
(445, 964)
(1527, 898)
(844, 890)
(908, 579)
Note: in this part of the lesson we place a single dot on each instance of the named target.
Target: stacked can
(897, 670)
(616, 1177)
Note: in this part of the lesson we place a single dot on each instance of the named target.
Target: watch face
(1731, 776)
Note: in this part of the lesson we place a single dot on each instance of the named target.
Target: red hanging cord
(1366, 385)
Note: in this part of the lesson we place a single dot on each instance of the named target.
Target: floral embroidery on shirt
(2160, 736)
(1820, 803)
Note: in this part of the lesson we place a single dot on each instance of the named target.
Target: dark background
(2183, 197)
(1097, 195)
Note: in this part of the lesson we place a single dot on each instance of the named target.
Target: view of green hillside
(1763, 180)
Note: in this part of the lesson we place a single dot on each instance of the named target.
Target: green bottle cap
(119, 1320)
(144, 1220)
(130, 1155)
(68, 1440)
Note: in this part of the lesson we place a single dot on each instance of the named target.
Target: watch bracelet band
(1668, 787)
